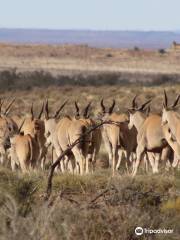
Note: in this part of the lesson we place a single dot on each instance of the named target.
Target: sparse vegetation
(87, 207)
(84, 61)
(11, 79)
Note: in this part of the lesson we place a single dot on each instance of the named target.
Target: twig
(69, 199)
(99, 195)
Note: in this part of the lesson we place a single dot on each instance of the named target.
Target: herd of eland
(137, 136)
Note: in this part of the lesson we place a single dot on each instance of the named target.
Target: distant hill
(112, 39)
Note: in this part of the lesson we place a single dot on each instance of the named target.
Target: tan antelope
(51, 130)
(69, 129)
(36, 128)
(96, 137)
(77, 129)
(7, 128)
(150, 138)
(171, 121)
(117, 138)
(63, 134)
(23, 151)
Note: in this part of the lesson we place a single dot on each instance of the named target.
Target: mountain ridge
(93, 38)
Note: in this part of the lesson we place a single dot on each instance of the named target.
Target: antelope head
(51, 121)
(9, 129)
(85, 113)
(40, 113)
(105, 111)
(136, 112)
(168, 111)
(56, 114)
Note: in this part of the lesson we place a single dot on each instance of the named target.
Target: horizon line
(88, 29)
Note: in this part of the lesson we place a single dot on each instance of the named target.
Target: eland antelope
(36, 128)
(96, 136)
(51, 123)
(23, 151)
(7, 128)
(150, 137)
(63, 133)
(117, 138)
(171, 120)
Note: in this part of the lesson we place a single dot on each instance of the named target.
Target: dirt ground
(81, 58)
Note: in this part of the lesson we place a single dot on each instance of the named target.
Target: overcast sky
(91, 14)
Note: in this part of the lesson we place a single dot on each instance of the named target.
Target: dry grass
(56, 95)
(76, 212)
(26, 66)
(69, 58)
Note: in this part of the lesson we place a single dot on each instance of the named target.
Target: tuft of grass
(172, 205)
(81, 184)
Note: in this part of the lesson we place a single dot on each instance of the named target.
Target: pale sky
(91, 14)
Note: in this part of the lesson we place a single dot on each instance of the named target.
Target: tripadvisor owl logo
(138, 231)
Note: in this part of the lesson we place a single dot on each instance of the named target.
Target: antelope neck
(140, 118)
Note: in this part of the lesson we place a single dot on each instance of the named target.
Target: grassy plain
(93, 206)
